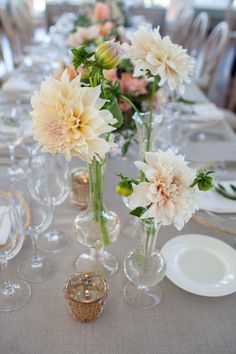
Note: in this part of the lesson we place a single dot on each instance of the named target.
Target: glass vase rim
(140, 116)
(150, 221)
(147, 113)
(101, 161)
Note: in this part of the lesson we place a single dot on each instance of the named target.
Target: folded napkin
(17, 84)
(5, 225)
(215, 202)
(204, 112)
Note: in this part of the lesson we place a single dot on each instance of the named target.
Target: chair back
(22, 19)
(210, 55)
(6, 58)
(197, 34)
(9, 29)
(6, 20)
(182, 26)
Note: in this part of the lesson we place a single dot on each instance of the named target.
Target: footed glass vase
(145, 268)
(96, 227)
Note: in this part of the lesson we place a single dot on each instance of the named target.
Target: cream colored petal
(139, 196)
(151, 213)
(91, 95)
(142, 166)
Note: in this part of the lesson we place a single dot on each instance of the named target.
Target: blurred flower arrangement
(96, 26)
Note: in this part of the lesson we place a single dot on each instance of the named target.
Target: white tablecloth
(183, 323)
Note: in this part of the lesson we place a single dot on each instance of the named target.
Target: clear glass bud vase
(146, 131)
(96, 227)
(145, 268)
(146, 135)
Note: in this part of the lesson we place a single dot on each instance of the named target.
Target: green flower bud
(203, 180)
(109, 54)
(206, 183)
(124, 188)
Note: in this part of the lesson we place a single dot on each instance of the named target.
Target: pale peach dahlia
(68, 118)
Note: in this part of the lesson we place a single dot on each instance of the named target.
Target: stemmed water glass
(11, 134)
(54, 171)
(36, 268)
(13, 294)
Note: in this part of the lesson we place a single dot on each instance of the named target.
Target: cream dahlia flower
(149, 51)
(68, 119)
(167, 190)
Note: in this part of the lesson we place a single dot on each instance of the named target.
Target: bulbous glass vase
(145, 268)
(96, 227)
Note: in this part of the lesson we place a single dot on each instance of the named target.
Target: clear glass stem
(95, 252)
(12, 154)
(8, 288)
(36, 260)
(51, 229)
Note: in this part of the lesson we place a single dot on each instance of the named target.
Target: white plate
(201, 265)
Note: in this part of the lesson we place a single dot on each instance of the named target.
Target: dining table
(183, 323)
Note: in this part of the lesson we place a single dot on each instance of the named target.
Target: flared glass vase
(97, 227)
(145, 268)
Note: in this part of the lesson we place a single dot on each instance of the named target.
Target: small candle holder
(80, 187)
(86, 293)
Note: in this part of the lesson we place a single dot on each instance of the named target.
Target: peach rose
(111, 75)
(136, 87)
(106, 28)
(101, 11)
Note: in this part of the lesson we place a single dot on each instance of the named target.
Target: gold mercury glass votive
(80, 187)
(86, 293)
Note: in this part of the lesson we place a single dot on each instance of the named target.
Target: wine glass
(13, 294)
(11, 134)
(36, 268)
(53, 171)
(173, 130)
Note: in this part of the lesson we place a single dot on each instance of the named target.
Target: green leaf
(81, 55)
(195, 182)
(115, 110)
(139, 211)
